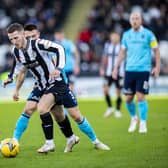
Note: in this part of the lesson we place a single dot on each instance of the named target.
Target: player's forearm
(120, 58)
(12, 73)
(20, 80)
(157, 57)
(77, 58)
(102, 65)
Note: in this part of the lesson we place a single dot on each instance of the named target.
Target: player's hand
(155, 71)
(115, 73)
(6, 82)
(16, 96)
(101, 72)
(56, 73)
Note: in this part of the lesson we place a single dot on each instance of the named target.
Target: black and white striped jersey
(111, 52)
(37, 60)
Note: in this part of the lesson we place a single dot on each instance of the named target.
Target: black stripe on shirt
(41, 61)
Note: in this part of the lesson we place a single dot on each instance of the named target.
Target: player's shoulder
(127, 32)
(107, 43)
(147, 31)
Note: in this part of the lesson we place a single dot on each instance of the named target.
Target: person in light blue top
(72, 67)
(137, 45)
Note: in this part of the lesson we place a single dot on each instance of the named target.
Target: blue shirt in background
(138, 45)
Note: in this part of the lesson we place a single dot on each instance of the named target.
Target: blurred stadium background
(87, 23)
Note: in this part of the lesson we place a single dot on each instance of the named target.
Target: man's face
(17, 38)
(59, 36)
(135, 20)
(115, 38)
(34, 34)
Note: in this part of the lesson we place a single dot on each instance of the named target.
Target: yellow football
(9, 147)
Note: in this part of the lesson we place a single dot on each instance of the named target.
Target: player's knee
(76, 117)
(106, 90)
(30, 110)
(140, 96)
(129, 99)
(140, 99)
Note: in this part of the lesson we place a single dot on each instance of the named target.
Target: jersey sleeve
(105, 49)
(16, 67)
(73, 47)
(124, 42)
(53, 47)
(153, 40)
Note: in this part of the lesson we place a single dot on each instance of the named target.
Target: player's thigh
(142, 82)
(119, 82)
(107, 82)
(129, 83)
(46, 103)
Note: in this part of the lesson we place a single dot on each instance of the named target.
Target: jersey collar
(140, 29)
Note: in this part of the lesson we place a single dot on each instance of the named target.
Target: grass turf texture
(128, 150)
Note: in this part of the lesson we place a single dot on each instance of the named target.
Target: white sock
(95, 141)
(51, 141)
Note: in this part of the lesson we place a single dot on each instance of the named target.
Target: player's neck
(137, 28)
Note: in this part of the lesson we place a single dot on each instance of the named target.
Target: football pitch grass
(127, 150)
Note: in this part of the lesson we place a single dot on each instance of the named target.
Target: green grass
(128, 150)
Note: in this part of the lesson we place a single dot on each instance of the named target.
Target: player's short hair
(30, 27)
(14, 27)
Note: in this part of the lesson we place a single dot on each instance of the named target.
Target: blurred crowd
(113, 15)
(104, 17)
(47, 14)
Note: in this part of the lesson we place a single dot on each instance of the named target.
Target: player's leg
(23, 120)
(142, 88)
(143, 109)
(118, 113)
(86, 127)
(45, 104)
(65, 126)
(106, 88)
(118, 84)
(129, 91)
(70, 103)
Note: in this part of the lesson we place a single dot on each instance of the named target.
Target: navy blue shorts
(69, 100)
(35, 95)
(136, 82)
